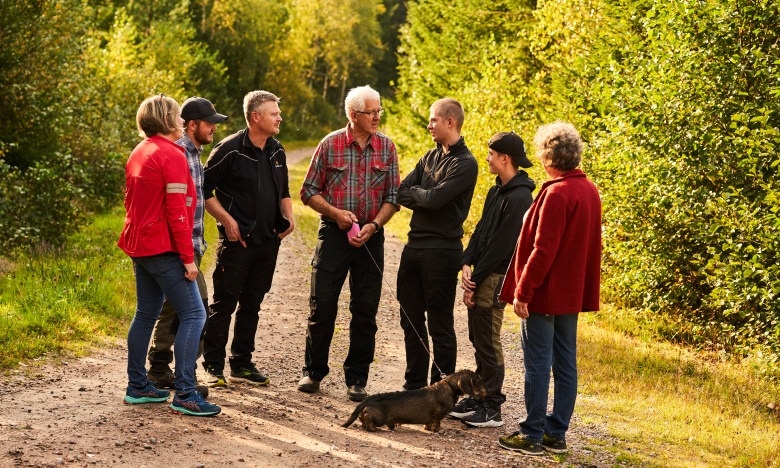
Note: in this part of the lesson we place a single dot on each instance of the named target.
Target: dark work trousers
(485, 320)
(426, 282)
(333, 258)
(242, 276)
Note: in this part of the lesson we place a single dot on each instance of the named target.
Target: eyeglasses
(374, 113)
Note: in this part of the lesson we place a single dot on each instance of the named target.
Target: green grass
(67, 299)
(662, 405)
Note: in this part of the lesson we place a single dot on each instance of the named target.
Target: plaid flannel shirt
(196, 171)
(352, 179)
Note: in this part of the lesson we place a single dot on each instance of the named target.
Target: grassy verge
(661, 405)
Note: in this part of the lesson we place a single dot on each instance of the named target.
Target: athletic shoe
(517, 442)
(554, 444)
(465, 407)
(485, 416)
(249, 374)
(214, 376)
(194, 405)
(148, 394)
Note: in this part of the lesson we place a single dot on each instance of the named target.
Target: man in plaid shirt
(352, 180)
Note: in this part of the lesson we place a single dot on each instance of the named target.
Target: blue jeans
(156, 278)
(549, 342)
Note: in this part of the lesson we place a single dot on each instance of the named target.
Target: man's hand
(468, 298)
(465, 279)
(289, 229)
(344, 219)
(232, 232)
(363, 236)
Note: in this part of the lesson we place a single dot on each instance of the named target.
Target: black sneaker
(554, 444)
(465, 407)
(485, 416)
(248, 373)
(161, 377)
(517, 442)
(214, 376)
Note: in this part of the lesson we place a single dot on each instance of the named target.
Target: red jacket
(159, 201)
(556, 267)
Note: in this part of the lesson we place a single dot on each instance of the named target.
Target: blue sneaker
(194, 405)
(148, 394)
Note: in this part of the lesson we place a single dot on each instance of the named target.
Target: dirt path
(73, 415)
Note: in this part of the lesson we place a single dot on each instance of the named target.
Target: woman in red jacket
(554, 275)
(160, 205)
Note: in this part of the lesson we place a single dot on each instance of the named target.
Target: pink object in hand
(354, 231)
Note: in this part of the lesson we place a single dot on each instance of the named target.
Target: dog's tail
(355, 414)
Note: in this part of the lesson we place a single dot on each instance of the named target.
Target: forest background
(677, 102)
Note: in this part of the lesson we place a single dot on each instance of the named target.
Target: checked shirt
(196, 171)
(352, 179)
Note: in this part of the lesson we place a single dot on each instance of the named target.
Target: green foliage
(689, 168)
(67, 298)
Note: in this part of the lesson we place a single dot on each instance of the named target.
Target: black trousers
(334, 258)
(427, 279)
(242, 277)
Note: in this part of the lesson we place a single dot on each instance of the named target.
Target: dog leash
(424, 345)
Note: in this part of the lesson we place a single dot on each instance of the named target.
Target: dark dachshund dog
(427, 405)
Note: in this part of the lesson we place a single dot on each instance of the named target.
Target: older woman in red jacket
(160, 206)
(554, 275)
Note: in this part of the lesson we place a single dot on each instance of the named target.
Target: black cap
(198, 108)
(510, 143)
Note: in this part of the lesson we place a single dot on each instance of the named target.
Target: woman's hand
(190, 271)
(521, 309)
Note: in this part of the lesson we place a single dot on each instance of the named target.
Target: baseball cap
(198, 108)
(510, 143)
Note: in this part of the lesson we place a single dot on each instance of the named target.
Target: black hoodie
(493, 242)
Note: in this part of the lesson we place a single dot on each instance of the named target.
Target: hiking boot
(309, 385)
(214, 376)
(465, 407)
(356, 393)
(518, 442)
(193, 405)
(148, 394)
(248, 373)
(485, 416)
(554, 444)
(161, 377)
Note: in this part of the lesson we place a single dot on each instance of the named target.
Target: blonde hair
(449, 108)
(157, 116)
(254, 99)
(559, 145)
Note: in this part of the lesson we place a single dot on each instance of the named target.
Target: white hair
(357, 97)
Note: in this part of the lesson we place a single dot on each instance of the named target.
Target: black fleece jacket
(232, 171)
(495, 237)
(439, 192)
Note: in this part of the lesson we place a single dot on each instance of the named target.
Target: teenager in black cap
(485, 261)
(200, 122)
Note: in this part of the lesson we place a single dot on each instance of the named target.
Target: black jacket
(232, 170)
(491, 246)
(439, 192)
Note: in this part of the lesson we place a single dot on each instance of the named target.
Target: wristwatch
(375, 225)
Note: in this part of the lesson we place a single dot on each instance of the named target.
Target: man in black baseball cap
(200, 123)
(198, 108)
(508, 143)
(485, 261)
